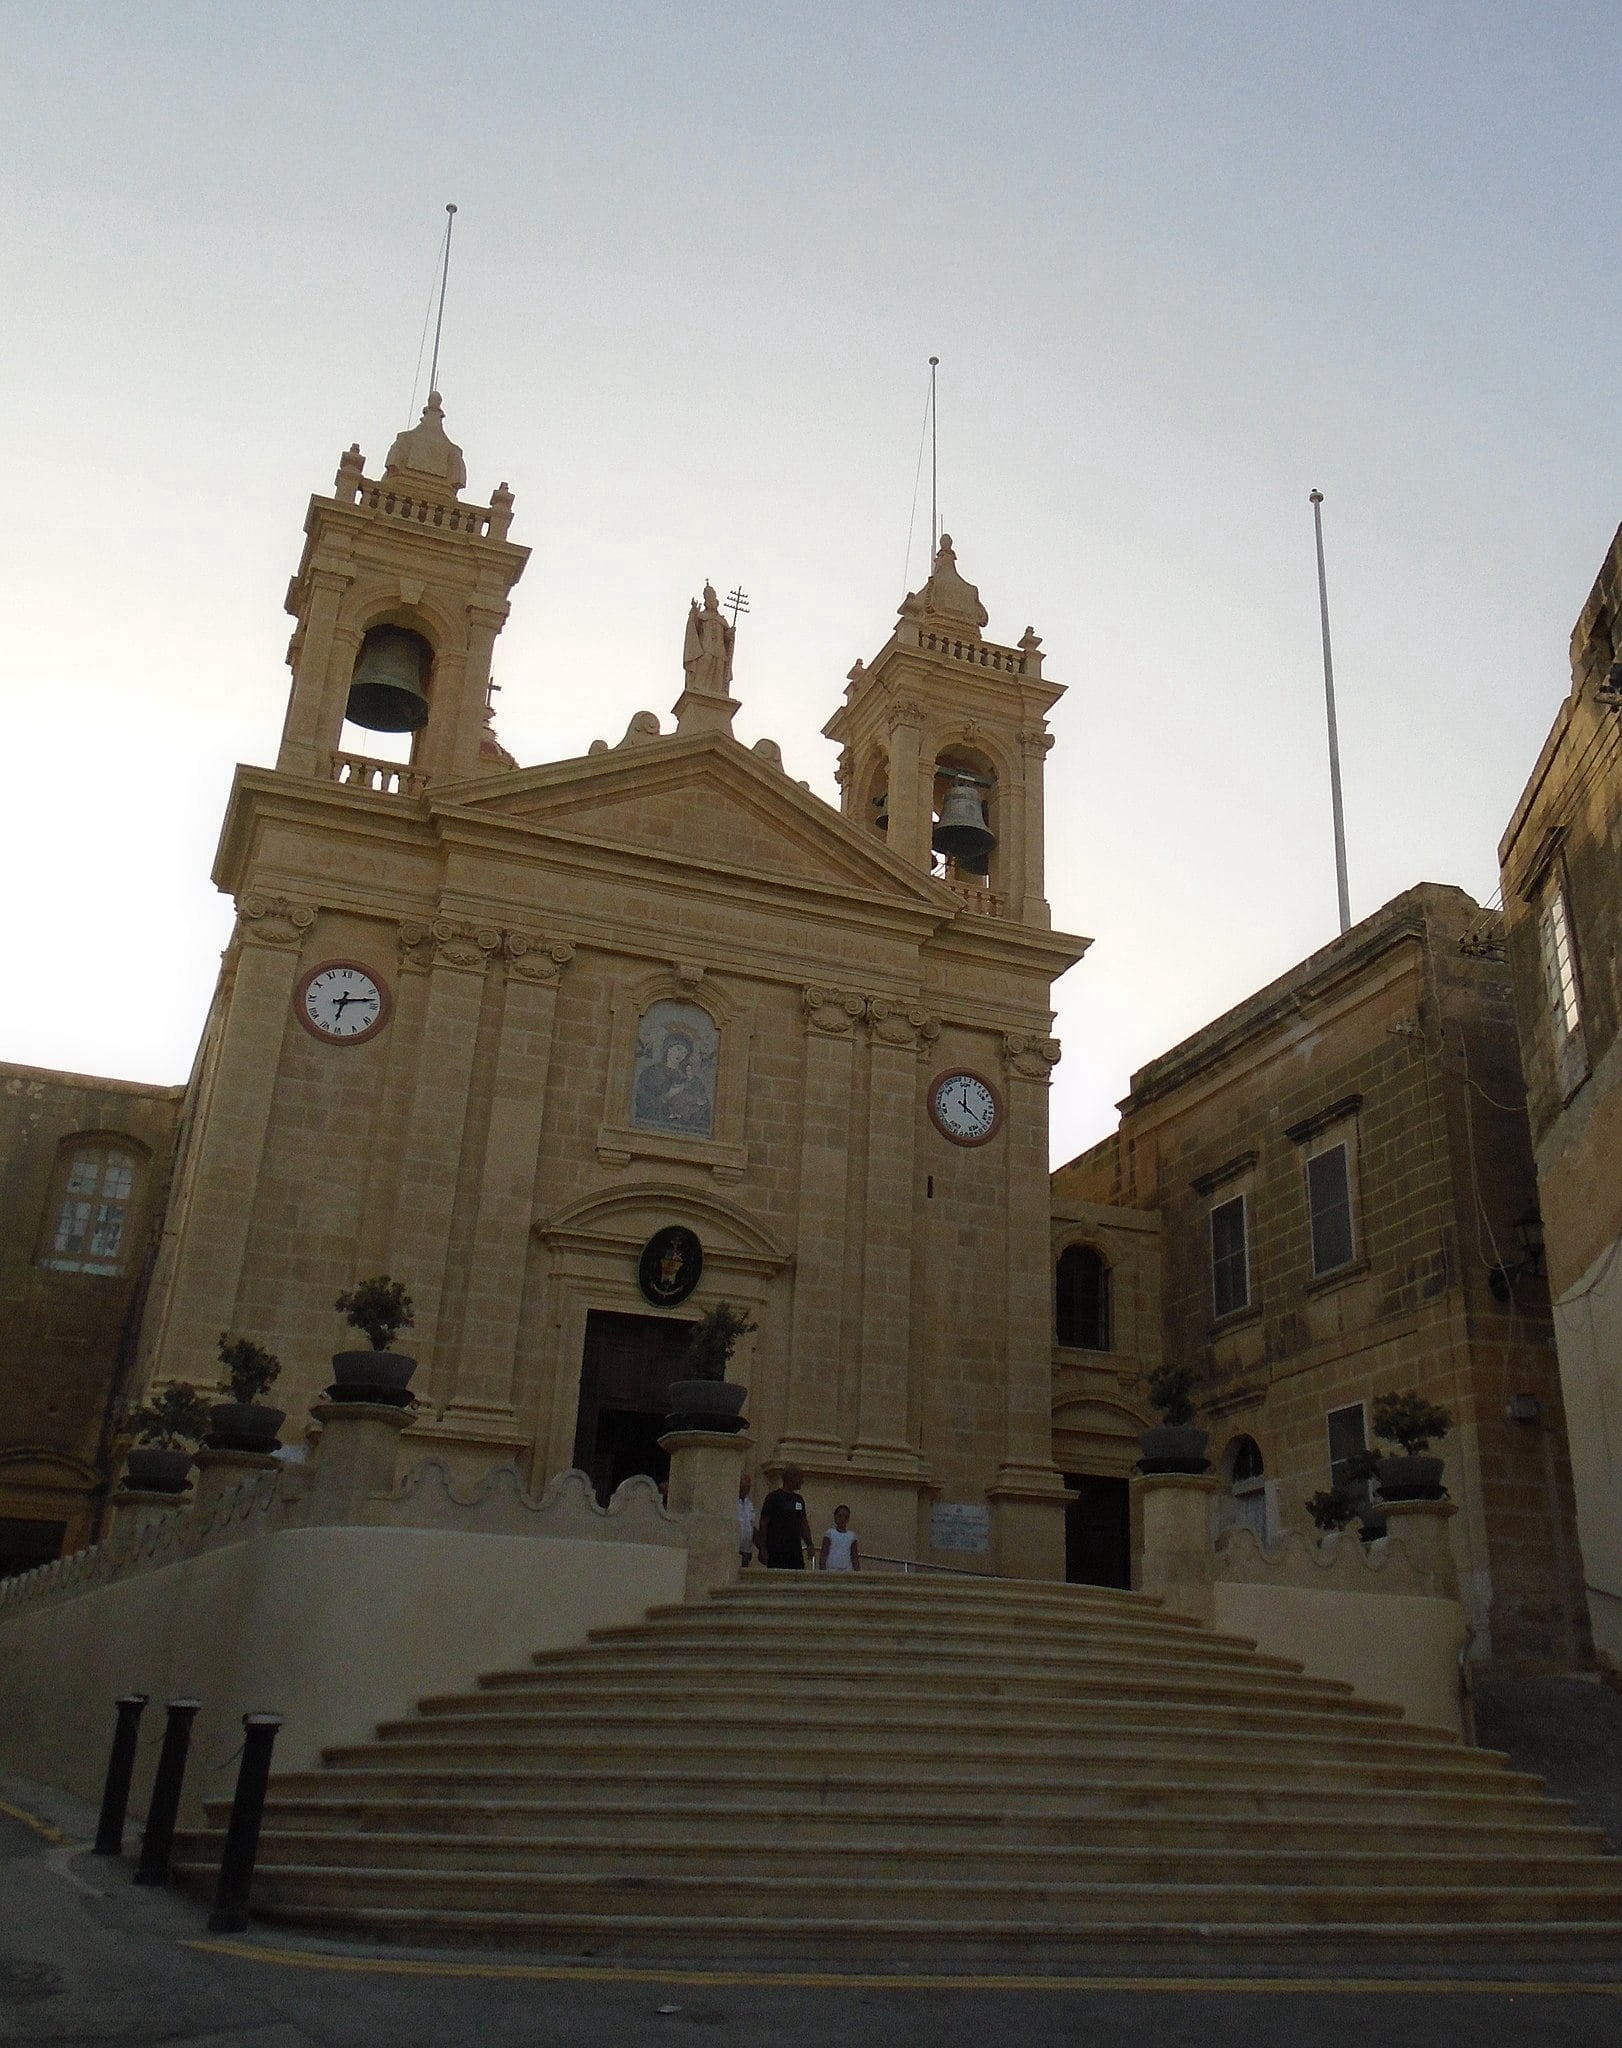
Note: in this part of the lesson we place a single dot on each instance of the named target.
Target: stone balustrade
(387, 778)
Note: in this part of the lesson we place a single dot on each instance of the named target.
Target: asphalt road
(86, 1957)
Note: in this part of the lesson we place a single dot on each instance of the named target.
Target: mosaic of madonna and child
(674, 1088)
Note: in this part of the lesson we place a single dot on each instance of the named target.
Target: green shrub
(379, 1307)
(249, 1367)
(715, 1338)
(1410, 1420)
(1171, 1389)
(176, 1421)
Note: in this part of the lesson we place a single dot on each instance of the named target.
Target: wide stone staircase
(888, 1771)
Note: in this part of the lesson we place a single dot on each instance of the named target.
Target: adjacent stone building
(1328, 1178)
(83, 1169)
(1561, 860)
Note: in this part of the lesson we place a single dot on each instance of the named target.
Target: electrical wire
(917, 480)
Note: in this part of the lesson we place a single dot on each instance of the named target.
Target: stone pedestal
(219, 1471)
(355, 1458)
(1179, 1563)
(704, 1471)
(1420, 1526)
(133, 1507)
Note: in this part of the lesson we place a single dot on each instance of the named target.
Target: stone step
(900, 1947)
(866, 1684)
(1152, 1786)
(986, 1900)
(998, 1729)
(765, 1815)
(1192, 1756)
(874, 1857)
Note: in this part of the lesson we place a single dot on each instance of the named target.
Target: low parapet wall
(1384, 1617)
(308, 1593)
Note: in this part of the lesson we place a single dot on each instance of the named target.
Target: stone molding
(909, 1027)
(1034, 739)
(1336, 1563)
(1029, 1056)
(904, 711)
(273, 920)
(832, 1012)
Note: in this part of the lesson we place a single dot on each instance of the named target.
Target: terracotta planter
(244, 1426)
(1410, 1479)
(708, 1404)
(1173, 1447)
(380, 1376)
(150, 1470)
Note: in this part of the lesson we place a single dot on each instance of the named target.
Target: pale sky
(1181, 263)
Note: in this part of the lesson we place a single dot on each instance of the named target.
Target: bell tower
(944, 739)
(399, 596)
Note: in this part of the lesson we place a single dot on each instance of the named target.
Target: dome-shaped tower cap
(427, 451)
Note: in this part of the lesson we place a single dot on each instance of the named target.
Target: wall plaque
(959, 1525)
(670, 1265)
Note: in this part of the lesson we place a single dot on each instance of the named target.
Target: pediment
(704, 799)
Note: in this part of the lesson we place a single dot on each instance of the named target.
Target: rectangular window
(1329, 1203)
(1559, 966)
(1348, 1439)
(1230, 1258)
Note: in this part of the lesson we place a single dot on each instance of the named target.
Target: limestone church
(502, 1031)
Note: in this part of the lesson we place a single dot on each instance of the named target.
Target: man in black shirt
(784, 1534)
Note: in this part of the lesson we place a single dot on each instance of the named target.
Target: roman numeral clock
(342, 1003)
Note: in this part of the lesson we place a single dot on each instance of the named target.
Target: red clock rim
(385, 1006)
(965, 1074)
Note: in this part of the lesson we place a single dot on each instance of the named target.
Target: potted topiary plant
(381, 1309)
(1177, 1444)
(242, 1424)
(1332, 1511)
(167, 1433)
(1413, 1423)
(706, 1398)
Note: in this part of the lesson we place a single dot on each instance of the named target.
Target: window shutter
(1329, 1200)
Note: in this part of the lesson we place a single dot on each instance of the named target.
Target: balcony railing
(387, 778)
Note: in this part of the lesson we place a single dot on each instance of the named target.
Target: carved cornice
(907, 1026)
(532, 957)
(832, 1011)
(273, 920)
(1034, 739)
(1032, 1058)
(904, 711)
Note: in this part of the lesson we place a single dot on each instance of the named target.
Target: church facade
(577, 1050)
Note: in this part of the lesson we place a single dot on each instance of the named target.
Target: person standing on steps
(840, 1550)
(746, 1524)
(784, 1536)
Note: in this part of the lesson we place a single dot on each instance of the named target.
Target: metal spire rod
(1317, 500)
(444, 279)
(934, 468)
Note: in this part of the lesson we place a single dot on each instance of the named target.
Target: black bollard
(164, 1806)
(230, 1914)
(115, 1795)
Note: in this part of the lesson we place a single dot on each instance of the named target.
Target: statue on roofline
(707, 651)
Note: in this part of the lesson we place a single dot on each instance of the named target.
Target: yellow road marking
(817, 1980)
(36, 1826)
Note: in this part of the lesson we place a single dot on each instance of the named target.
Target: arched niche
(1083, 1305)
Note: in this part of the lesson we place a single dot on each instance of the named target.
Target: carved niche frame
(619, 1141)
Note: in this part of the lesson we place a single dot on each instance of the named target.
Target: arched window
(1082, 1304)
(87, 1228)
(1247, 1486)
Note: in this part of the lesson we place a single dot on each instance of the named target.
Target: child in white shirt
(840, 1550)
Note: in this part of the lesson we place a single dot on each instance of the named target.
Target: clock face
(341, 1002)
(964, 1107)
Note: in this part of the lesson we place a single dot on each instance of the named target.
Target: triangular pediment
(704, 799)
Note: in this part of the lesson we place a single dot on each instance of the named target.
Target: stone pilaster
(457, 955)
(898, 1032)
(1029, 884)
(1179, 1560)
(908, 814)
(313, 720)
(354, 1460)
(811, 1432)
(1028, 1497)
(213, 1233)
(488, 1354)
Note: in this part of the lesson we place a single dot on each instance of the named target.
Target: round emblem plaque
(672, 1261)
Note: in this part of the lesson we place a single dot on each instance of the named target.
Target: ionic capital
(907, 1026)
(832, 1012)
(273, 920)
(534, 958)
(1032, 1058)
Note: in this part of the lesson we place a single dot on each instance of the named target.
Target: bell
(961, 832)
(881, 813)
(386, 693)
